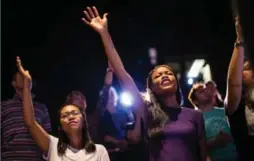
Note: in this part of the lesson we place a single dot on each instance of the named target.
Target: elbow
(231, 105)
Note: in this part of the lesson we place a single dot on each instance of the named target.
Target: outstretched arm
(234, 80)
(104, 93)
(109, 75)
(40, 136)
(100, 25)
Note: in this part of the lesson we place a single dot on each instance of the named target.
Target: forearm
(28, 109)
(113, 57)
(134, 135)
(108, 77)
(111, 139)
(234, 80)
(124, 78)
(236, 67)
(103, 98)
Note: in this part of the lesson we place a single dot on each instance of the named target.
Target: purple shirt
(17, 143)
(180, 138)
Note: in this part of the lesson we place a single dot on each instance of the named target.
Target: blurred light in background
(199, 71)
(206, 71)
(152, 53)
(126, 99)
(190, 81)
(252, 95)
(196, 68)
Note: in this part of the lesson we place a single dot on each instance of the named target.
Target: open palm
(93, 19)
(24, 72)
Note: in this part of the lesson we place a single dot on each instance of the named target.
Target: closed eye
(157, 76)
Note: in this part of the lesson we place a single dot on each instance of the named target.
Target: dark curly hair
(157, 117)
(63, 142)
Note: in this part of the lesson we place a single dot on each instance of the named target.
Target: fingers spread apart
(90, 13)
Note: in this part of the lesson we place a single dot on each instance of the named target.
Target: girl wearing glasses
(74, 142)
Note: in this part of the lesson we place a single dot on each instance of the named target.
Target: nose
(207, 91)
(165, 76)
(71, 117)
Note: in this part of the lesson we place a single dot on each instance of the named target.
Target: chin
(168, 89)
(74, 129)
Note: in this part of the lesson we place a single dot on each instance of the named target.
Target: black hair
(155, 107)
(63, 142)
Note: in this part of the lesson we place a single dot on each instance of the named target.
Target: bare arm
(125, 79)
(40, 136)
(111, 139)
(234, 80)
(134, 136)
(109, 76)
(103, 97)
(100, 25)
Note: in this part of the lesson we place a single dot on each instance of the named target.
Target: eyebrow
(70, 111)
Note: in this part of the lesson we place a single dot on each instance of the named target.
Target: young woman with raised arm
(173, 132)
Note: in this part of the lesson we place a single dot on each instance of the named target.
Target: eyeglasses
(68, 114)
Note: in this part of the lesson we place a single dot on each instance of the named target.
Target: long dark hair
(63, 142)
(157, 117)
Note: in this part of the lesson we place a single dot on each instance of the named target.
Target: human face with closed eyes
(163, 81)
(71, 118)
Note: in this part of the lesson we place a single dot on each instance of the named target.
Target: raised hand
(238, 29)
(93, 19)
(25, 73)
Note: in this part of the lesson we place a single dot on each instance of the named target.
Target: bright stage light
(195, 68)
(126, 99)
(190, 81)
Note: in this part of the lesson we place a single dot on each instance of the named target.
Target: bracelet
(109, 70)
(239, 43)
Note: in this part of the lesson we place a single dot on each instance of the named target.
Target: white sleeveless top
(73, 154)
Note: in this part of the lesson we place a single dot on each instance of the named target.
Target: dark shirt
(180, 137)
(94, 118)
(114, 125)
(111, 124)
(17, 142)
(244, 142)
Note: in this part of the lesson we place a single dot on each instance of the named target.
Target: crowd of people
(158, 127)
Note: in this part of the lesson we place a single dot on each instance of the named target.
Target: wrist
(104, 32)
(239, 39)
(239, 43)
(109, 70)
(27, 83)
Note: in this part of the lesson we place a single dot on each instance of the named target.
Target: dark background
(63, 54)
